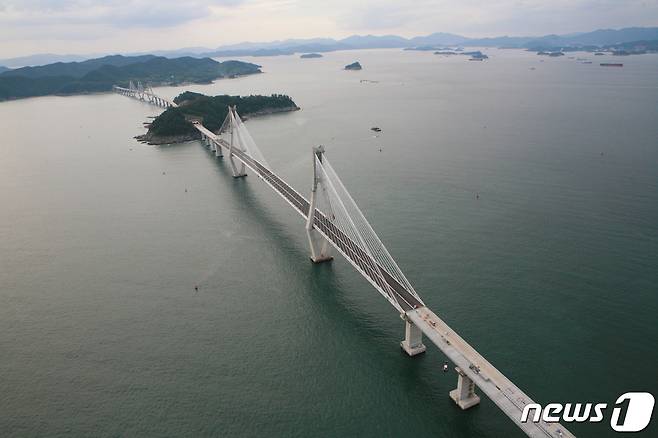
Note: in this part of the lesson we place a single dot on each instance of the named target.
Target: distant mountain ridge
(600, 38)
(42, 59)
(76, 69)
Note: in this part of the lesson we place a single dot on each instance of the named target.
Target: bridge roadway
(505, 394)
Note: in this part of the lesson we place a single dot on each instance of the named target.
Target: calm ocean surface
(552, 274)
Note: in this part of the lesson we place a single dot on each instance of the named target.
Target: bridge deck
(505, 394)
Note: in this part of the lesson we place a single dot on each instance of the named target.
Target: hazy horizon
(84, 27)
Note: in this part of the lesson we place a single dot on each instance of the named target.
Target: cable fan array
(242, 139)
(338, 207)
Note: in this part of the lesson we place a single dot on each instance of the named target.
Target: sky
(124, 26)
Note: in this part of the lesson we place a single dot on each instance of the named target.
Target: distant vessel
(611, 64)
(376, 129)
(476, 59)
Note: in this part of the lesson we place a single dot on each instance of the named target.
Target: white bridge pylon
(333, 220)
(235, 133)
(333, 206)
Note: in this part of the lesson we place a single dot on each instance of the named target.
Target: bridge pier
(240, 171)
(320, 251)
(412, 343)
(320, 248)
(464, 395)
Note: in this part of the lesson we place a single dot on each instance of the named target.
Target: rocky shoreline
(196, 135)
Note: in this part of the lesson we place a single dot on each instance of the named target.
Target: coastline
(182, 138)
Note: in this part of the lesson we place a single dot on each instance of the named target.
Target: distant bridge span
(336, 222)
(145, 93)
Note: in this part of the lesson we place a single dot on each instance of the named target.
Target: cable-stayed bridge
(334, 222)
(143, 92)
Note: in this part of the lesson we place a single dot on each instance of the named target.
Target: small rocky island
(353, 66)
(475, 55)
(310, 55)
(173, 125)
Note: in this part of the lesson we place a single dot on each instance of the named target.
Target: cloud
(492, 17)
(93, 26)
(109, 13)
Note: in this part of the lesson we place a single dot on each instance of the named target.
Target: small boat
(376, 129)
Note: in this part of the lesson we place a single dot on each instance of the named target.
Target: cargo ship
(611, 64)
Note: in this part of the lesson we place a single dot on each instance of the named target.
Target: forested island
(99, 75)
(311, 55)
(173, 125)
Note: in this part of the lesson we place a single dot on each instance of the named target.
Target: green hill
(173, 124)
(97, 75)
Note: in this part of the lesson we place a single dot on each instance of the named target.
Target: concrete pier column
(239, 170)
(413, 339)
(320, 249)
(218, 151)
(464, 395)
